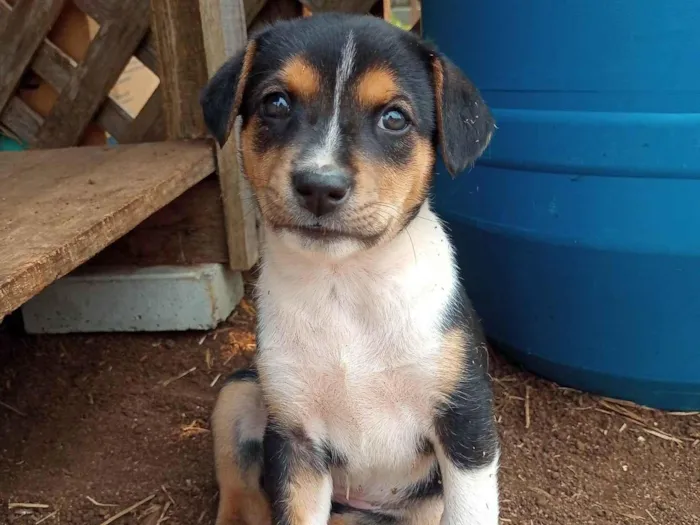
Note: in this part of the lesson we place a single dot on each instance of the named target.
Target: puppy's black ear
(222, 96)
(464, 122)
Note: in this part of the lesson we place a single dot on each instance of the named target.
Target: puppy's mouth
(319, 232)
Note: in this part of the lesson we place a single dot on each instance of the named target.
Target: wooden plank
(225, 33)
(347, 6)
(58, 208)
(277, 10)
(189, 230)
(21, 34)
(106, 58)
(21, 120)
(177, 29)
(149, 124)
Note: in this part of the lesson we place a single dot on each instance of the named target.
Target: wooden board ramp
(60, 207)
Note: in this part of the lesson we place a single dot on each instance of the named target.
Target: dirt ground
(92, 425)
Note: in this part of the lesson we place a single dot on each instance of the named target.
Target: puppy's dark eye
(393, 120)
(276, 105)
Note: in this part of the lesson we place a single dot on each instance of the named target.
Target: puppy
(369, 402)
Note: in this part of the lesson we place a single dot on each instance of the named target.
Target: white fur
(351, 345)
(471, 496)
(325, 156)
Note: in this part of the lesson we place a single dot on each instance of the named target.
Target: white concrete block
(159, 298)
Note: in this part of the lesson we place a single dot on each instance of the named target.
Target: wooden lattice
(82, 87)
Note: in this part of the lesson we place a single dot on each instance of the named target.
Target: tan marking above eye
(301, 78)
(376, 87)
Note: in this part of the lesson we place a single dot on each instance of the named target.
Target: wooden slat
(60, 207)
(53, 65)
(177, 30)
(21, 34)
(106, 58)
(149, 124)
(347, 6)
(189, 230)
(225, 34)
(21, 120)
(276, 10)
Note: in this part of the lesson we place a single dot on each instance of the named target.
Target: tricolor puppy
(369, 402)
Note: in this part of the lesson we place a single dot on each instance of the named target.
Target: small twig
(216, 379)
(168, 494)
(652, 517)
(202, 340)
(172, 379)
(128, 510)
(13, 409)
(162, 517)
(95, 502)
(27, 506)
(527, 406)
(48, 516)
(624, 412)
(662, 435)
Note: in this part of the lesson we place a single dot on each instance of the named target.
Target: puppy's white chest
(349, 351)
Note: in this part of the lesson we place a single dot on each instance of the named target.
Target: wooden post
(178, 34)
(224, 30)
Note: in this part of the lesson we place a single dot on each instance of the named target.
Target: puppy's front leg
(297, 477)
(466, 446)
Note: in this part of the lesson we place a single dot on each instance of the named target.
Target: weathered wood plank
(21, 34)
(177, 30)
(21, 120)
(149, 124)
(347, 6)
(224, 24)
(58, 208)
(189, 230)
(276, 10)
(106, 58)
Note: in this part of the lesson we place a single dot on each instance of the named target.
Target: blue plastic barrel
(578, 232)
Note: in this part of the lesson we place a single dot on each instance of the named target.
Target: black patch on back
(465, 423)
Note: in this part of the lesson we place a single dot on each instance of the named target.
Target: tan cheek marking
(452, 360)
(376, 87)
(419, 173)
(301, 78)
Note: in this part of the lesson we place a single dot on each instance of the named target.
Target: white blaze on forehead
(325, 155)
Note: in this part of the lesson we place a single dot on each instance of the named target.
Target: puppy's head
(341, 118)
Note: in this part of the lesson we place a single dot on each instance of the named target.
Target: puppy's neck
(423, 243)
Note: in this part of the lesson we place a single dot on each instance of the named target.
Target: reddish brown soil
(98, 422)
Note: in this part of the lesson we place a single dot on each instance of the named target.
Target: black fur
(465, 425)
(286, 452)
(466, 125)
(243, 374)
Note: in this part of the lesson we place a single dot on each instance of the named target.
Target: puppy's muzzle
(321, 191)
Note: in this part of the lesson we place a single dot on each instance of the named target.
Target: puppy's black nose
(321, 191)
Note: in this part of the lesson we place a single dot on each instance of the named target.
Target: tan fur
(376, 87)
(240, 496)
(268, 174)
(452, 360)
(439, 83)
(301, 78)
(384, 193)
(248, 59)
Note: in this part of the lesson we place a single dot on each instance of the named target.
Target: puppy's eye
(276, 105)
(393, 119)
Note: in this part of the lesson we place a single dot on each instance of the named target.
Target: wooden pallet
(60, 207)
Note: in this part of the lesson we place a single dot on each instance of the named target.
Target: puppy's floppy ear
(222, 96)
(464, 122)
